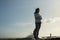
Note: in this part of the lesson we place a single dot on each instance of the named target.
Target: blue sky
(17, 17)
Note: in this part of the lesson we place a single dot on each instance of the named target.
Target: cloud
(51, 20)
(57, 19)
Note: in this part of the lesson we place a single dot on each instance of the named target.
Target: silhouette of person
(37, 23)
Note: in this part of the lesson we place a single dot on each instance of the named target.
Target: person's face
(38, 11)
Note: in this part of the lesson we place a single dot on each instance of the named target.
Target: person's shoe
(33, 39)
(37, 38)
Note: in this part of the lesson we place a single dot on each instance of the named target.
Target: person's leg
(35, 31)
(39, 25)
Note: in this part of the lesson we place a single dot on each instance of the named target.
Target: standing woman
(37, 23)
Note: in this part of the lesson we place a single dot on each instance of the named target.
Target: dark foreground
(28, 39)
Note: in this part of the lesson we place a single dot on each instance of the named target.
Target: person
(38, 19)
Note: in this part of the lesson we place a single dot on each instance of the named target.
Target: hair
(37, 10)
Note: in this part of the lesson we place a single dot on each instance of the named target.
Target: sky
(17, 18)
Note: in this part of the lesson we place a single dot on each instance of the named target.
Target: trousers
(36, 30)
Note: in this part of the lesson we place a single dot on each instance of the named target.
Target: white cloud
(57, 19)
(52, 26)
(51, 20)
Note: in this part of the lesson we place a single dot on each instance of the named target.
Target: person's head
(37, 10)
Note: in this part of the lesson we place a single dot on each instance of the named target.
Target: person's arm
(40, 17)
